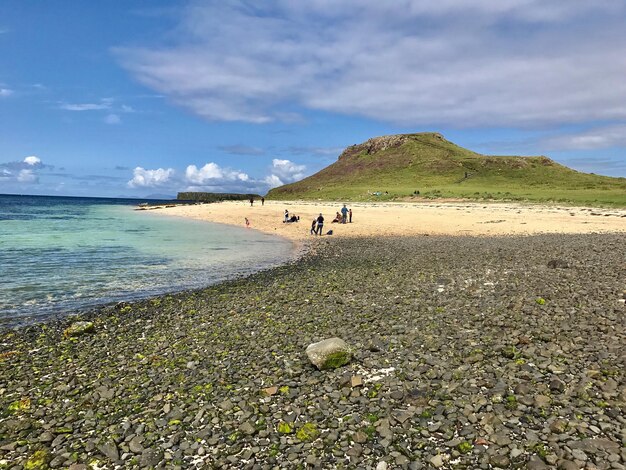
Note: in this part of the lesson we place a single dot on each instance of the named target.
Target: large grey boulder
(329, 353)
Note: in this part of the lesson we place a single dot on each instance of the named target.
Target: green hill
(426, 165)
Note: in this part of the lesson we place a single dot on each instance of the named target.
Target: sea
(63, 255)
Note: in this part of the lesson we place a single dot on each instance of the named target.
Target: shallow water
(61, 255)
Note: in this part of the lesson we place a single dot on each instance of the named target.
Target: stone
(579, 455)
(568, 465)
(542, 401)
(135, 445)
(558, 426)
(110, 450)
(329, 353)
(401, 460)
(57, 462)
(499, 461)
(269, 391)
(150, 458)
(557, 385)
(535, 463)
(609, 386)
(46, 436)
(501, 439)
(593, 446)
(247, 428)
(359, 437)
(226, 405)
(401, 416)
(382, 465)
(356, 381)
(437, 461)
(79, 328)
(355, 451)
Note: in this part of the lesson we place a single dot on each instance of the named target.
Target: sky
(140, 98)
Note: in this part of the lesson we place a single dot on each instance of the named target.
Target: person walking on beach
(350, 214)
(313, 230)
(251, 201)
(320, 225)
(344, 214)
(247, 222)
(262, 201)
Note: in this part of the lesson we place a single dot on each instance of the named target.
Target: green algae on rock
(38, 461)
(79, 328)
(308, 432)
(329, 353)
(284, 428)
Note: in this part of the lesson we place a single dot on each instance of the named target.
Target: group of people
(252, 201)
(289, 219)
(346, 214)
(317, 226)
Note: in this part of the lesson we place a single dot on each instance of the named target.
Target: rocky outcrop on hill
(378, 144)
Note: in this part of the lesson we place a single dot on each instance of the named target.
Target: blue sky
(136, 98)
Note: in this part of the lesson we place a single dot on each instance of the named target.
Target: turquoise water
(63, 255)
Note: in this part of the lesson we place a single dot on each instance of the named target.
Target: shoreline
(453, 346)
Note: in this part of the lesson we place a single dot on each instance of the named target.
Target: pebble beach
(468, 352)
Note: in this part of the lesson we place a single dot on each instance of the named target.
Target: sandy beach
(399, 219)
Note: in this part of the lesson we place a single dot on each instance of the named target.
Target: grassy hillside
(414, 166)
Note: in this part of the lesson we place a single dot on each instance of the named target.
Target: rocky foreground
(468, 353)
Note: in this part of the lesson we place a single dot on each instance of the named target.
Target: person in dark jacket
(320, 225)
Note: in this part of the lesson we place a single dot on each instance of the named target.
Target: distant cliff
(215, 197)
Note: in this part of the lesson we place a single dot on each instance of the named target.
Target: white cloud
(143, 178)
(4, 92)
(112, 119)
(32, 160)
(598, 138)
(27, 176)
(283, 172)
(287, 170)
(273, 181)
(452, 62)
(85, 106)
(24, 171)
(212, 173)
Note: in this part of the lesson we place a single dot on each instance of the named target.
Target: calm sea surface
(61, 255)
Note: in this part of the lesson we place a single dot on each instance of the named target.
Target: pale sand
(432, 218)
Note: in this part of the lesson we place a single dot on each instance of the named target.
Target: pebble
(185, 383)
(437, 461)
